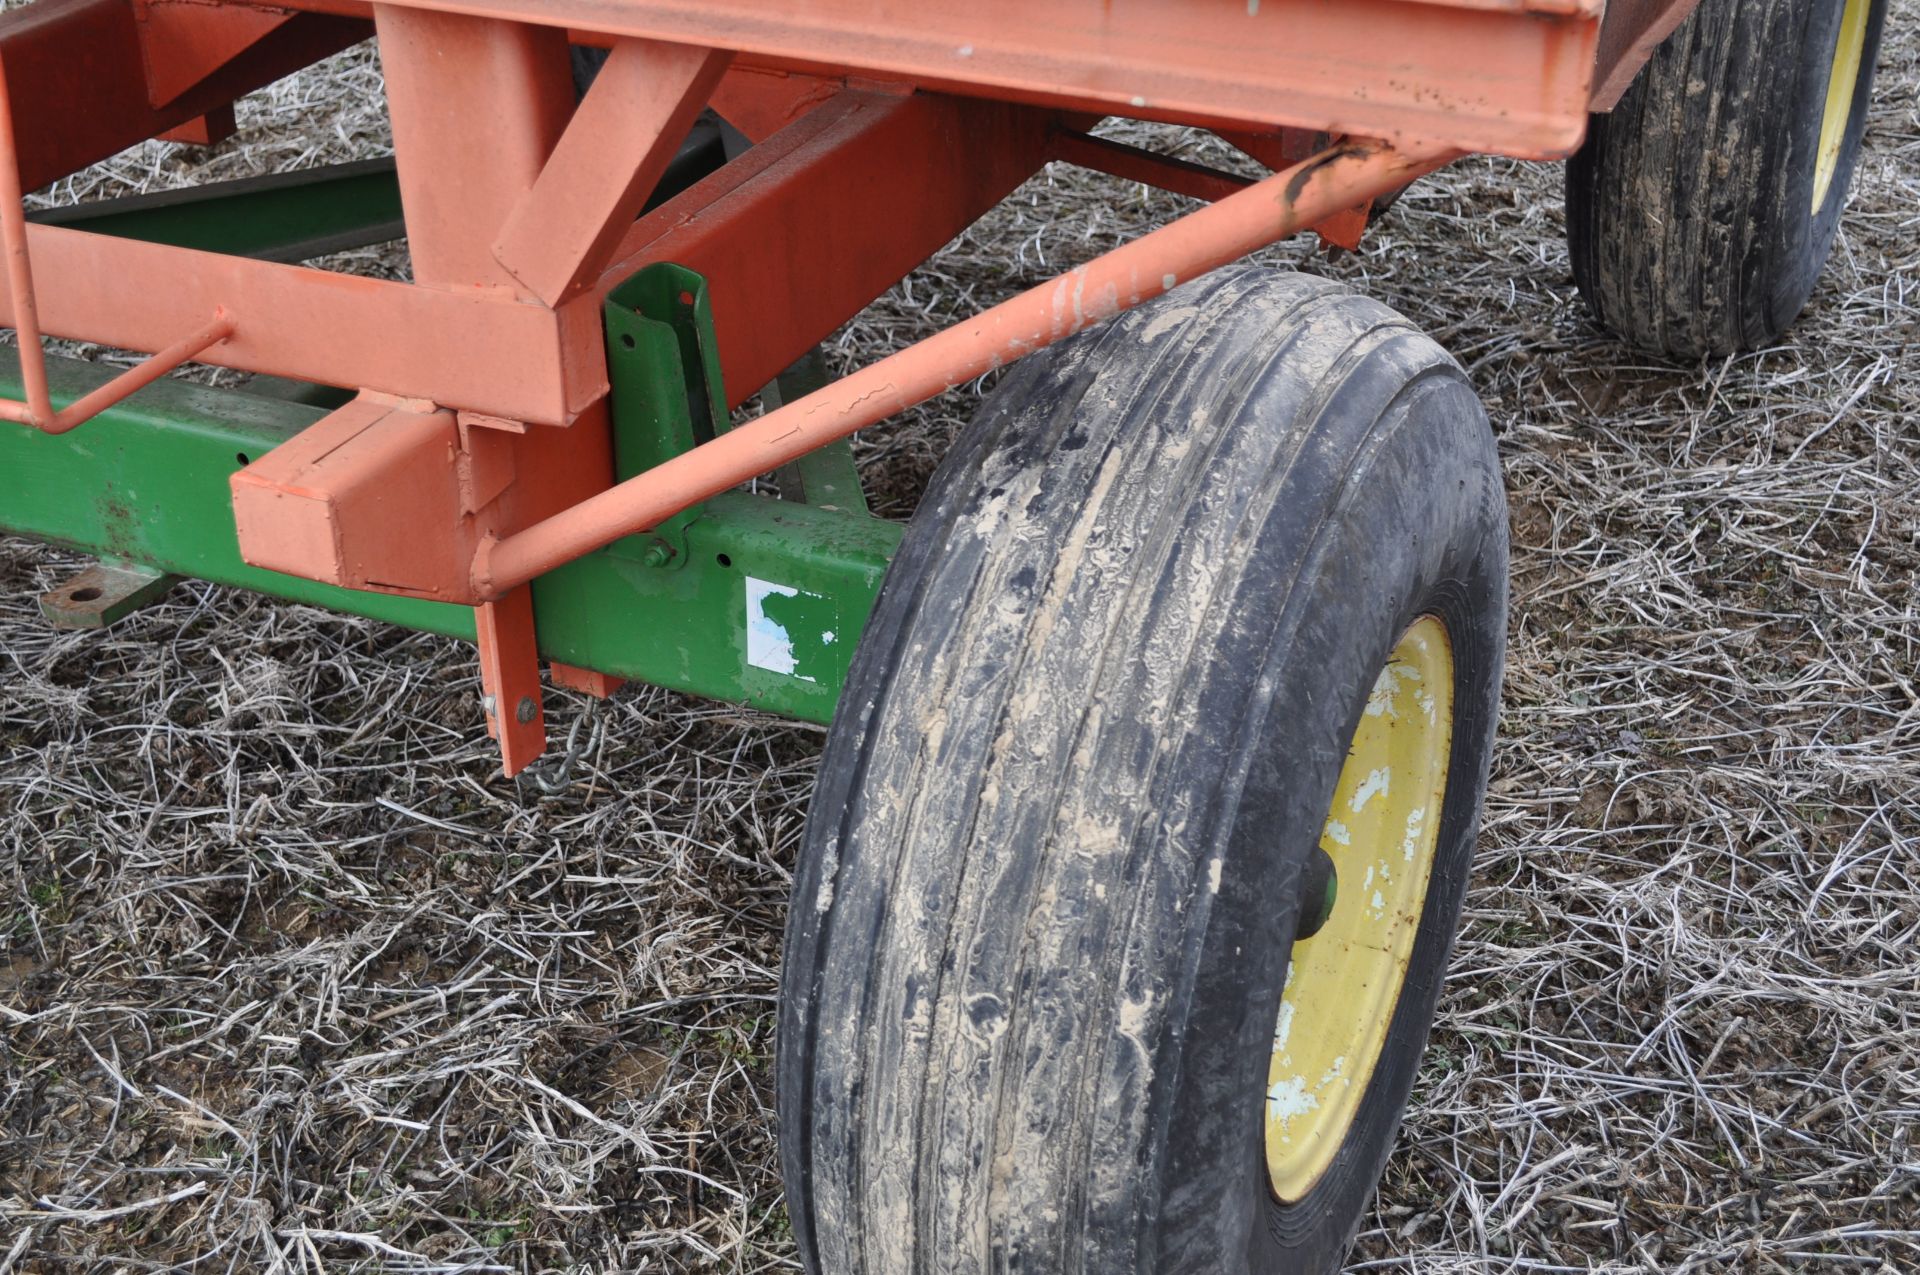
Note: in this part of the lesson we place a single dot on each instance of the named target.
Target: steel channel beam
(283, 217)
(1506, 76)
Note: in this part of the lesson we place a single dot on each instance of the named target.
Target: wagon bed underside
(470, 471)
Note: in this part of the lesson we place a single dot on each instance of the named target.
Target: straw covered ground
(290, 979)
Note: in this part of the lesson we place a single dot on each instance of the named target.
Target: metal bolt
(658, 554)
(487, 705)
(526, 710)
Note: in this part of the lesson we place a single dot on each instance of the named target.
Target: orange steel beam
(1269, 210)
(216, 126)
(474, 349)
(559, 236)
(80, 83)
(477, 108)
(352, 491)
(1133, 163)
(795, 247)
(467, 164)
(1509, 76)
(182, 44)
(1632, 31)
(37, 409)
(795, 236)
(760, 101)
(465, 161)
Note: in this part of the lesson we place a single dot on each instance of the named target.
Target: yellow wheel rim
(1344, 981)
(1848, 53)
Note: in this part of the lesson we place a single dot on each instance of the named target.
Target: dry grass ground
(291, 980)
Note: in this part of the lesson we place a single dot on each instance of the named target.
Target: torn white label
(769, 646)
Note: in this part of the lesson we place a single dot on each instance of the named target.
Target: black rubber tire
(1041, 921)
(1690, 218)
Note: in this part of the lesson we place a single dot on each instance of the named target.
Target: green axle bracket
(747, 598)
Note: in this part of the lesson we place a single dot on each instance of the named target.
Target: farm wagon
(1159, 734)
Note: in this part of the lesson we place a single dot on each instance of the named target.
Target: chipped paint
(1385, 696)
(1378, 783)
(1289, 1098)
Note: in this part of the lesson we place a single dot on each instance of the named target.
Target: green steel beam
(146, 482)
(758, 602)
(764, 609)
(282, 217)
(309, 213)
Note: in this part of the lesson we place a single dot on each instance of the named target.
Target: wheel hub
(1349, 964)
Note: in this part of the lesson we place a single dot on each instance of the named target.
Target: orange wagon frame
(479, 390)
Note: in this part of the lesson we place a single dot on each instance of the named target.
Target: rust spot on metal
(1298, 182)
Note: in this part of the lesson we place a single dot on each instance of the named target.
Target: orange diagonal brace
(613, 153)
(1266, 211)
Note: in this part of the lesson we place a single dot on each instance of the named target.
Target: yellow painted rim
(1344, 981)
(1848, 53)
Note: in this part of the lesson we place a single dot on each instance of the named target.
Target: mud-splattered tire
(1701, 209)
(1042, 922)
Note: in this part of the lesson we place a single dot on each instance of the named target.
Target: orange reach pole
(1263, 213)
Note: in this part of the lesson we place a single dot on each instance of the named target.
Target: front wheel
(1141, 835)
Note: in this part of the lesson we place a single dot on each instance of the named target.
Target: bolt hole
(243, 458)
(723, 560)
(686, 298)
(626, 339)
(85, 595)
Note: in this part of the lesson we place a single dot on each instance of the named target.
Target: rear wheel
(1141, 836)
(1701, 209)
